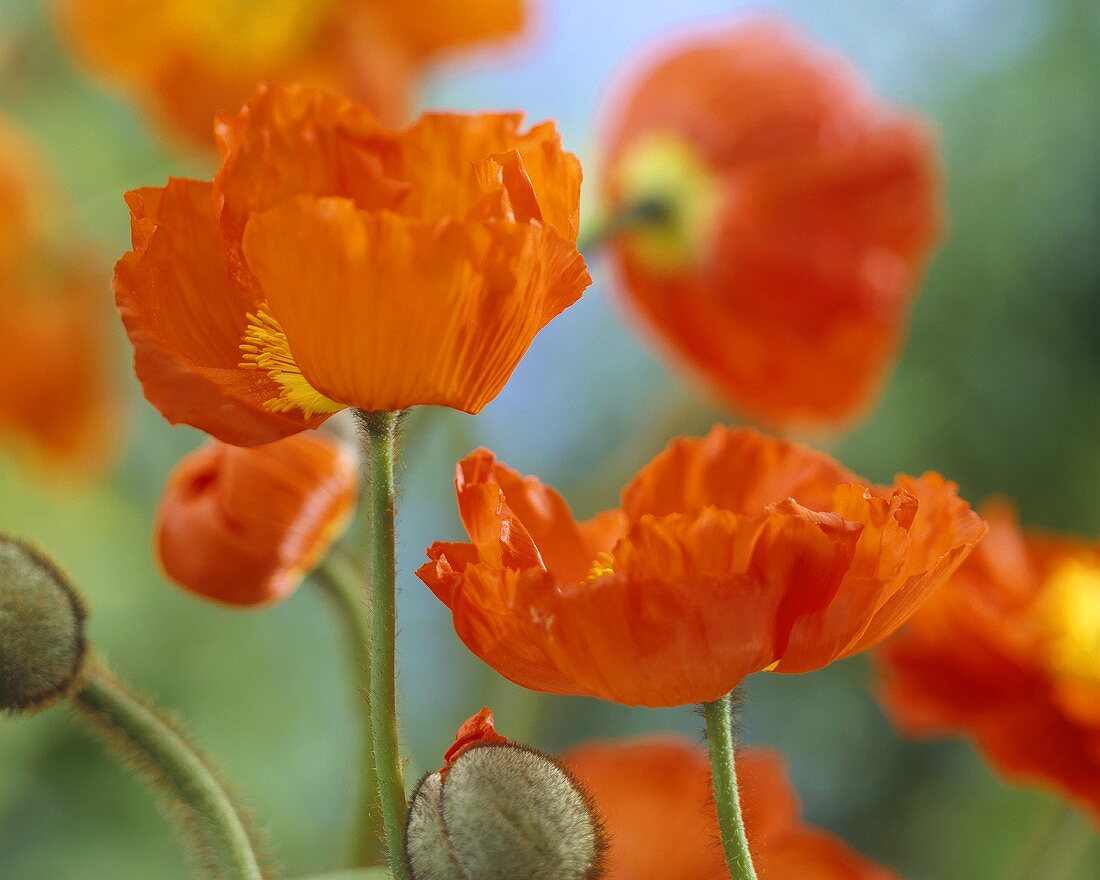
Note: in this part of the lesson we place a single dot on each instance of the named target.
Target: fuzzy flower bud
(42, 646)
(499, 811)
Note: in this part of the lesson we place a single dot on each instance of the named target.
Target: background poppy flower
(244, 526)
(335, 262)
(189, 59)
(730, 554)
(56, 397)
(790, 212)
(1009, 654)
(655, 797)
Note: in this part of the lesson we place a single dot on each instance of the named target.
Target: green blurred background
(998, 387)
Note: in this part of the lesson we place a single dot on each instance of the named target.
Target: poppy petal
(399, 309)
(185, 318)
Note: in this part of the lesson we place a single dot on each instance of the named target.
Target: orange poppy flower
(189, 59)
(1009, 654)
(335, 262)
(790, 213)
(53, 338)
(730, 554)
(244, 526)
(655, 797)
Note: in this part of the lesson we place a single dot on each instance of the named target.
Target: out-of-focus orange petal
(655, 796)
(185, 318)
(406, 312)
(977, 658)
(434, 26)
(826, 204)
(243, 526)
(57, 392)
(737, 470)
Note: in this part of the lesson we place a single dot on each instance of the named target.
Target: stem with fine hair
(342, 581)
(157, 748)
(379, 437)
(731, 824)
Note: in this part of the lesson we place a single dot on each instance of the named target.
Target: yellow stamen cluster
(1072, 604)
(604, 563)
(265, 347)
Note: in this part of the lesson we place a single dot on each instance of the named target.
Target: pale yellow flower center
(265, 347)
(665, 177)
(1071, 605)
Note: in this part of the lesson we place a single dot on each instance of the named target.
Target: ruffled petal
(443, 156)
(692, 605)
(742, 471)
(292, 140)
(401, 312)
(913, 540)
(185, 318)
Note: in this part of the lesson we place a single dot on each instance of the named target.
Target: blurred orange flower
(658, 808)
(336, 262)
(730, 554)
(56, 396)
(189, 59)
(790, 213)
(244, 526)
(1009, 654)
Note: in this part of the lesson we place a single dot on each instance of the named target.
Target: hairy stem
(155, 746)
(735, 843)
(342, 581)
(378, 431)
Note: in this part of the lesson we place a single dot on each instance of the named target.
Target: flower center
(675, 198)
(604, 563)
(1072, 605)
(265, 347)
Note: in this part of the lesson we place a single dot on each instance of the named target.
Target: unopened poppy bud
(498, 811)
(244, 525)
(42, 646)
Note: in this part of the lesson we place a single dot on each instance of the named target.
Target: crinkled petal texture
(731, 553)
(243, 526)
(336, 262)
(987, 657)
(186, 318)
(826, 207)
(655, 797)
(186, 60)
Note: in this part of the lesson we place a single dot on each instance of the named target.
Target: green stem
(378, 432)
(1059, 844)
(160, 751)
(719, 718)
(342, 581)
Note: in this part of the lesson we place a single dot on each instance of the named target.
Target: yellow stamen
(1072, 606)
(265, 347)
(604, 563)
